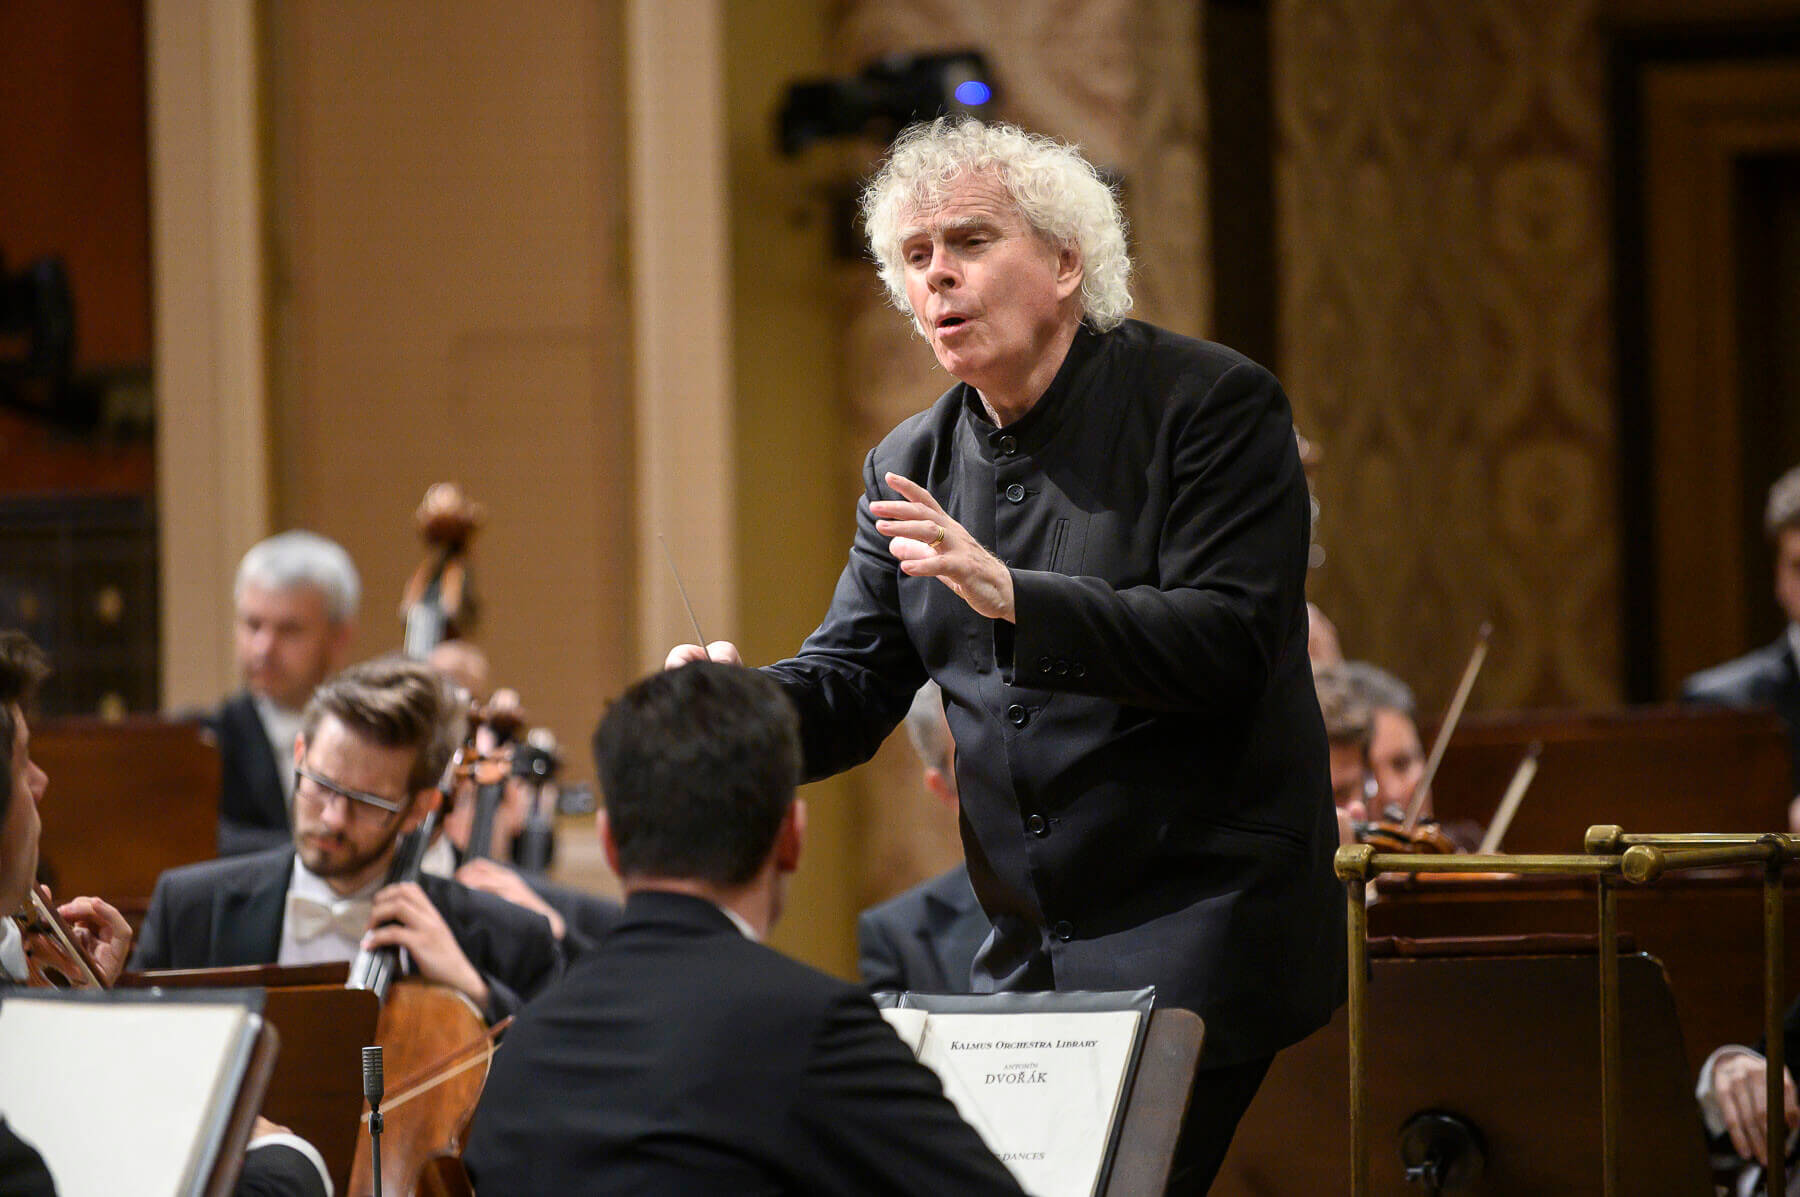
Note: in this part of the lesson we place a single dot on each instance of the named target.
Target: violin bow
(1452, 717)
(692, 618)
(1515, 794)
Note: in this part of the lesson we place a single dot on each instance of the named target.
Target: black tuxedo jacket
(681, 1058)
(924, 939)
(1140, 758)
(273, 1171)
(1767, 677)
(253, 813)
(225, 912)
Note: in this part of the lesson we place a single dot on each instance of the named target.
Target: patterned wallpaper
(1445, 334)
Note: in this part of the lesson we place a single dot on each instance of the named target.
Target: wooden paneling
(74, 174)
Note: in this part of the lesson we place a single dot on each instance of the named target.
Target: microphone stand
(372, 1089)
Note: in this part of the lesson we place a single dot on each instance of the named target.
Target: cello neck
(374, 969)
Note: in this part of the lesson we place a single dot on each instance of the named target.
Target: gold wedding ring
(938, 539)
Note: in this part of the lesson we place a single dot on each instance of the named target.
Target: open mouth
(950, 322)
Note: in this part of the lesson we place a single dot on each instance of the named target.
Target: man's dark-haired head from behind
(698, 767)
(22, 667)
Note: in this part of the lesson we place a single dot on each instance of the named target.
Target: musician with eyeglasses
(372, 745)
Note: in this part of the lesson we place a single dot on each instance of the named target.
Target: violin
(1408, 831)
(54, 959)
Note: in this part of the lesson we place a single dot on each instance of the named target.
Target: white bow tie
(311, 918)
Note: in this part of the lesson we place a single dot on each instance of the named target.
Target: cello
(432, 1037)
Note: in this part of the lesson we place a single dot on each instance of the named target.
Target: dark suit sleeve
(1232, 567)
(511, 947)
(278, 1171)
(587, 918)
(153, 948)
(23, 1172)
(877, 957)
(875, 1121)
(854, 678)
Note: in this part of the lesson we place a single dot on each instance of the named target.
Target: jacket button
(1015, 493)
(1078, 670)
(1064, 930)
(1017, 715)
(1062, 669)
(1038, 825)
(1045, 664)
(1008, 444)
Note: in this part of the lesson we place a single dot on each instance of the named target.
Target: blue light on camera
(973, 92)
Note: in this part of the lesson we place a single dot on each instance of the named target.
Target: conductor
(1095, 543)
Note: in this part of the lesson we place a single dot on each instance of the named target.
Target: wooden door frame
(1687, 109)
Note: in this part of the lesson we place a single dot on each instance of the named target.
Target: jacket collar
(250, 907)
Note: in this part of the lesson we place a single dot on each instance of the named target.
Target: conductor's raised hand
(929, 544)
(722, 651)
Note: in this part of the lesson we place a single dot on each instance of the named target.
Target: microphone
(371, 1062)
(372, 1089)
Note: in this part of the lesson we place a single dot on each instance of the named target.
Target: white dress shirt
(331, 945)
(281, 726)
(12, 953)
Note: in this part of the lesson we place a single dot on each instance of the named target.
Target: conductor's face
(340, 836)
(988, 292)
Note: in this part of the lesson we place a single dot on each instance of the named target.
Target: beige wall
(796, 498)
(450, 303)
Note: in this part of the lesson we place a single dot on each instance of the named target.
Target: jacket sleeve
(877, 957)
(153, 949)
(511, 947)
(854, 677)
(876, 1121)
(1231, 564)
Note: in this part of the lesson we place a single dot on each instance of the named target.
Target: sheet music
(147, 1081)
(1042, 1089)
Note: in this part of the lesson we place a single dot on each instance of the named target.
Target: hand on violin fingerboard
(100, 931)
(404, 917)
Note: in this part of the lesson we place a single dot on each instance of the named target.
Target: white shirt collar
(12, 953)
(280, 725)
(328, 946)
(742, 924)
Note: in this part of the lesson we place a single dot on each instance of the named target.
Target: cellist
(372, 746)
(277, 1162)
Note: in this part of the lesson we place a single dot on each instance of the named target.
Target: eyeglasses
(361, 803)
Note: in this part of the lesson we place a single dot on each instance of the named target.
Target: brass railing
(1611, 856)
